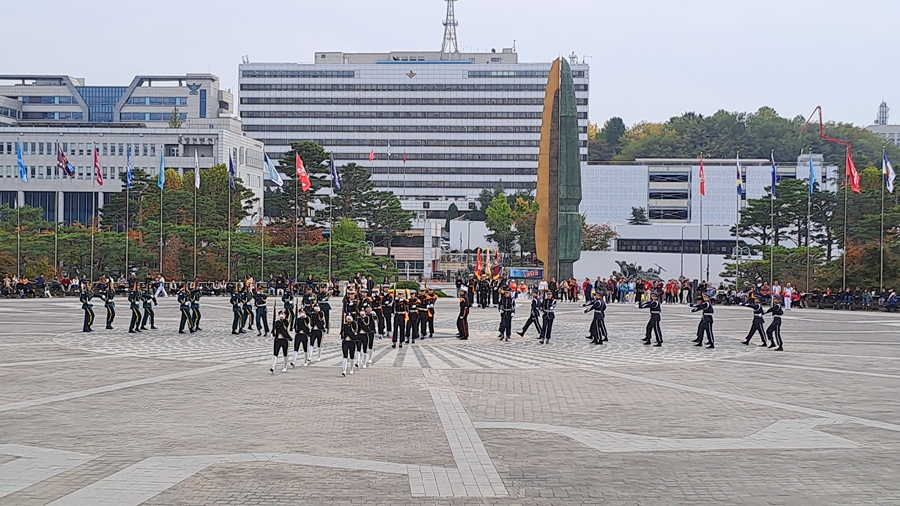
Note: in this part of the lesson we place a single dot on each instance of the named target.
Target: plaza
(162, 418)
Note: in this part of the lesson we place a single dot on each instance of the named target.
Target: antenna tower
(883, 112)
(450, 45)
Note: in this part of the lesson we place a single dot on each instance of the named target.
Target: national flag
(161, 177)
(23, 171)
(97, 169)
(128, 169)
(812, 174)
(740, 183)
(774, 174)
(371, 155)
(479, 263)
(389, 149)
(335, 177)
(302, 175)
(274, 176)
(196, 170)
(62, 162)
(404, 157)
(852, 174)
(702, 178)
(231, 173)
(888, 171)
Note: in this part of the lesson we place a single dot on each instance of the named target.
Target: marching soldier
(549, 309)
(774, 330)
(237, 312)
(401, 315)
(534, 316)
(108, 293)
(302, 332)
(432, 301)
(288, 300)
(378, 311)
(412, 325)
(758, 321)
(424, 302)
(322, 299)
(653, 324)
(282, 337)
(259, 300)
(371, 324)
(184, 302)
(149, 301)
(598, 324)
(362, 337)
(387, 307)
(134, 298)
(196, 293)
(706, 323)
(507, 310)
(349, 330)
(247, 300)
(87, 306)
(462, 322)
(317, 317)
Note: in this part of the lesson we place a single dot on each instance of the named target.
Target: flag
(404, 157)
(196, 170)
(852, 174)
(888, 171)
(274, 176)
(161, 177)
(62, 162)
(128, 169)
(479, 263)
(812, 175)
(302, 175)
(23, 171)
(702, 178)
(231, 173)
(740, 183)
(335, 177)
(389, 149)
(774, 174)
(371, 155)
(97, 169)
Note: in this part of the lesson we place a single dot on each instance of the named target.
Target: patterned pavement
(167, 418)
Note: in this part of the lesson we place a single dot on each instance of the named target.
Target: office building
(881, 126)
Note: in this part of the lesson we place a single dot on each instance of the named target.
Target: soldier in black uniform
(86, 295)
(362, 336)
(108, 293)
(247, 300)
(237, 312)
(548, 308)
(317, 317)
(196, 293)
(495, 292)
(430, 303)
(387, 307)
(484, 293)
(349, 330)
(706, 323)
(371, 326)
(401, 314)
(287, 298)
(378, 311)
(758, 321)
(598, 324)
(184, 302)
(149, 301)
(534, 315)
(424, 302)
(774, 330)
(302, 332)
(507, 310)
(282, 337)
(412, 325)
(259, 301)
(134, 298)
(462, 321)
(653, 324)
(322, 299)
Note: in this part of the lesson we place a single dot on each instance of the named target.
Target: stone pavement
(164, 418)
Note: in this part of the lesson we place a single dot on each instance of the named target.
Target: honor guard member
(598, 324)
(247, 300)
(706, 323)
(495, 292)
(288, 300)
(362, 336)
(87, 306)
(236, 312)
(371, 327)
(484, 293)
(549, 309)
(196, 293)
(348, 343)
(758, 321)
(774, 330)
(378, 311)
(108, 294)
(387, 307)
(302, 332)
(507, 310)
(432, 301)
(184, 302)
(260, 299)
(424, 302)
(281, 338)
(317, 317)
(350, 305)
(534, 315)
(412, 325)
(134, 299)
(401, 315)
(462, 321)
(653, 324)
(308, 300)
(149, 301)
(322, 299)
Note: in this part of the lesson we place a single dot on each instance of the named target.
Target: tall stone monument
(558, 227)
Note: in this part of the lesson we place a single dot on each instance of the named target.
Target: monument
(558, 226)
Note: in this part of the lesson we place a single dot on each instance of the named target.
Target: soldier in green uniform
(259, 300)
(108, 294)
(134, 298)
(196, 293)
(184, 301)
(87, 306)
(149, 301)
(237, 322)
(247, 299)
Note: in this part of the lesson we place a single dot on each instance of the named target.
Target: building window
(682, 177)
(668, 214)
(668, 195)
(202, 103)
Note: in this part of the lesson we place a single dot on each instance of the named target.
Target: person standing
(247, 300)
(287, 298)
(370, 326)
(653, 324)
(401, 313)
(281, 338)
(317, 318)
(149, 301)
(706, 322)
(362, 337)
(86, 295)
(160, 286)
(534, 315)
(108, 293)
(598, 324)
(134, 299)
(548, 307)
(774, 330)
(184, 302)
(259, 301)
(322, 300)
(462, 322)
(387, 307)
(302, 331)
(424, 301)
(431, 301)
(758, 321)
(349, 330)
(196, 293)
(236, 312)
(507, 309)
(788, 295)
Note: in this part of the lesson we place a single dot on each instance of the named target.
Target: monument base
(566, 270)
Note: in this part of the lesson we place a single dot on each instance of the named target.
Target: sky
(650, 59)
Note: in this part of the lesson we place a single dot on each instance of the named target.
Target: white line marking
(808, 368)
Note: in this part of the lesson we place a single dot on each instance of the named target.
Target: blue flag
(23, 171)
(231, 172)
(161, 178)
(740, 183)
(774, 174)
(812, 174)
(334, 174)
(128, 169)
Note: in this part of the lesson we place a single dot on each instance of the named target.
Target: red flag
(371, 155)
(702, 178)
(97, 168)
(302, 176)
(479, 264)
(852, 174)
(404, 157)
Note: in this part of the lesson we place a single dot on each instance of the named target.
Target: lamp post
(682, 250)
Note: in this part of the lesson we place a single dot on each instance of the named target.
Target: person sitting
(892, 301)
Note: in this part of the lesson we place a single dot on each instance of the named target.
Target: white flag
(389, 149)
(196, 170)
(272, 173)
(888, 171)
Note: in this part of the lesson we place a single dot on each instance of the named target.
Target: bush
(408, 285)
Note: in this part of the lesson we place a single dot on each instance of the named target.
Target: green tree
(638, 216)
(500, 223)
(524, 215)
(612, 132)
(175, 120)
(452, 214)
(388, 219)
(355, 198)
(286, 204)
(596, 236)
(348, 231)
(485, 198)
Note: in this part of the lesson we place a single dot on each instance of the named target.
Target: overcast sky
(650, 59)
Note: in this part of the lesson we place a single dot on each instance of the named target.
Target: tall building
(46, 113)
(443, 125)
(880, 127)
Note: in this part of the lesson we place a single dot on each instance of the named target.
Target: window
(202, 103)
(328, 74)
(145, 151)
(669, 177)
(538, 88)
(668, 214)
(81, 149)
(104, 149)
(121, 149)
(41, 148)
(660, 195)
(153, 150)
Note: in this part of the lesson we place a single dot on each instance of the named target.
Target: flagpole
(297, 227)
(881, 249)
(195, 224)
(262, 246)
(56, 239)
(774, 232)
(127, 206)
(18, 238)
(229, 230)
(809, 214)
(846, 197)
(93, 215)
(161, 228)
(331, 220)
(700, 272)
(737, 223)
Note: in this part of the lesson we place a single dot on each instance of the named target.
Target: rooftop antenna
(883, 114)
(245, 59)
(450, 45)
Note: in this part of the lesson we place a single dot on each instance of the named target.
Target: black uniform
(462, 322)
(598, 324)
(431, 300)
(757, 325)
(424, 303)
(774, 330)
(507, 309)
(348, 339)
(149, 301)
(401, 311)
(282, 337)
(705, 326)
(259, 300)
(302, 332)
(387, 307)
(288, 300)
(236, 311)
(653, 324)
(534, 316)
(412, 325)
(362, 332)
(247, 316)
(322, 298)
(134, 298)
(88, 307)
(184, 300)
(549, 310)
(108, 295)
(196, 293)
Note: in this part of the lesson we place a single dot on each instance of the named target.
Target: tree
(638, 216)
(348, 231)
(452, 214)
(596, 236)
(612, 132)
(175, 120)
(485, 198)
(355, 197)
(499, 221)
(524, 215)
(312, 155)
(388, 219)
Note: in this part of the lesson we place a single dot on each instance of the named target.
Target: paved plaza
(160, 418)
